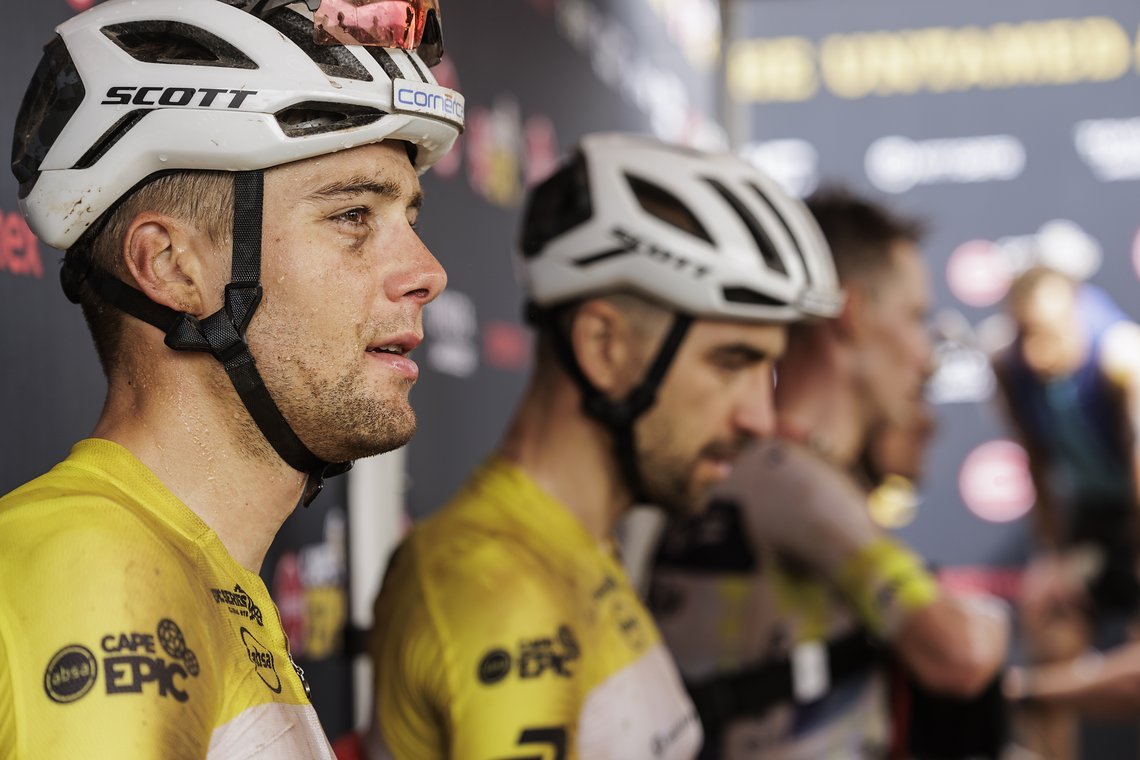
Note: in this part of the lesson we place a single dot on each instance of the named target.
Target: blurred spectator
(778, 603)
(1070, 379)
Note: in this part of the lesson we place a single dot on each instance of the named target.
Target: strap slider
(810, 671)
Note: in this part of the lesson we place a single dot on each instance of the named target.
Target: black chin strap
(617, 416)
(222, 334)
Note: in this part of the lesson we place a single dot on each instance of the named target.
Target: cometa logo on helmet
(415, 97)
(206, 97)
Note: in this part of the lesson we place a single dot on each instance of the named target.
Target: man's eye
(353, 216)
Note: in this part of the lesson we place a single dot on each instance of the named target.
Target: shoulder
(469, 579)
(779, 474)
(84, 570)
(796, 502)
(1119, 356)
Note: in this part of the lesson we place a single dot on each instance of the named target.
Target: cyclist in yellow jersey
(183, 152)
(660, 280)
(778, 600)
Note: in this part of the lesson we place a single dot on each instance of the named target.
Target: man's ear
(165, 259)
(849, 324)
(603, 343)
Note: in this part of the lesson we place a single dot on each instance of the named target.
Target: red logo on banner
(80, 5)
(448, 166)
(19, 249)
(978, 274)
(506, 346)
(289, 592)
(1136, 252)
(995, 482)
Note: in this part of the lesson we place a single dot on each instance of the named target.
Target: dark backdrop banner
(1014, 128)
(537, 74)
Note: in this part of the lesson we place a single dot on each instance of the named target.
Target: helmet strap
(222, 334)
(617, 416)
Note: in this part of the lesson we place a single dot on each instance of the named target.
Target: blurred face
(716, 398)
(899, 449)
(894, 349)
(1047, 322)
(346, 279)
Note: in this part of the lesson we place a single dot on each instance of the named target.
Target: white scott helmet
(707, 235)
(111, 105)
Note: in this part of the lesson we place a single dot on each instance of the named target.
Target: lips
(392, 352)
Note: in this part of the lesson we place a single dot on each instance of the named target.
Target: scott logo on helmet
(630, 243)
(207, 97)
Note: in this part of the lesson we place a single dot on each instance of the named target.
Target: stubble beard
(343, 422)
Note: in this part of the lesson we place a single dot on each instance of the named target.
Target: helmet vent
(110, 137)
(173, 42)
(763, 242)
(333, 60)
(750, 296)
(384, 58)
(312, 118)
(55, 93)
(660, 203)
(556, 206)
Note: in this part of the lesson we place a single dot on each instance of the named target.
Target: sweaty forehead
(383, 167)
(769, 339)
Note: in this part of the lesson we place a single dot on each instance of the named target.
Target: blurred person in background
(661, 281)
(1070, 380)
(779, 600)
(253, 287)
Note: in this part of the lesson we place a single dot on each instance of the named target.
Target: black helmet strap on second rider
(618, 416)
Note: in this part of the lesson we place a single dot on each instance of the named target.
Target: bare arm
(1105, 685)
(808, 508)
(955, 645)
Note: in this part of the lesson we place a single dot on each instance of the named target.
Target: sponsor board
(309, 587)
(451, 333)
(895, 164)
(1110, 147)
(930, 60)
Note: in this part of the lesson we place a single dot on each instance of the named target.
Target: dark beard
(667, 479)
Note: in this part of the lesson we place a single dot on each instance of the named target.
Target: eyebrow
(388, 189)
(741, 351)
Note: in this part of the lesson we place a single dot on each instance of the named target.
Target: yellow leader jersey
(128, 631)
(505, 631)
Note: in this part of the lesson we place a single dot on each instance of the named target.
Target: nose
(420, 277)
(755, 411)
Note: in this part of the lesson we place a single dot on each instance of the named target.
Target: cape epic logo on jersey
(535, 657)
(133, 661)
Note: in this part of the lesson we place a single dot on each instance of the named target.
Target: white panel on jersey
(271, 730)
(640, 711)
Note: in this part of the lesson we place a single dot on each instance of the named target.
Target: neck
(819, 404)
(189, 439)
(569, 455)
